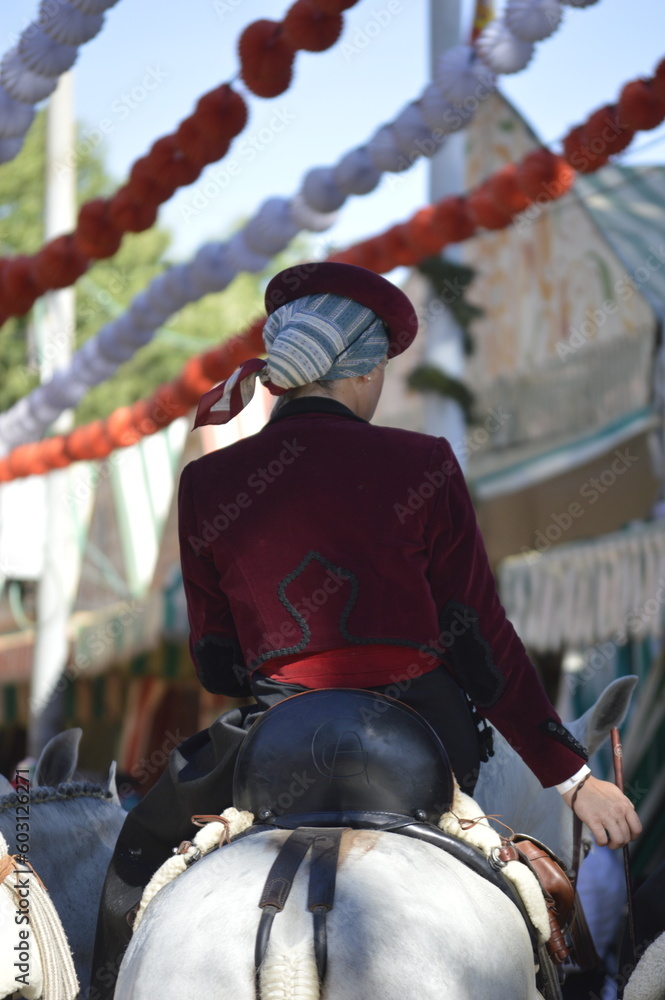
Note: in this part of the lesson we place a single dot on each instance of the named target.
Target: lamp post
(444, 348)
(55, 337)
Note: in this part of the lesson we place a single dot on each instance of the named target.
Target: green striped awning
(628, 205)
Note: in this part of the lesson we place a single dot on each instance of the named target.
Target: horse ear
(593, 728)
(58, 759)
(6, 787)
(111, 786)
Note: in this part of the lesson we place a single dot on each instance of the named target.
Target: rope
(218, 830)
(464, 822)
(59, 981)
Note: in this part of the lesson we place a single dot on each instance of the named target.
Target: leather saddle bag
(557, 888)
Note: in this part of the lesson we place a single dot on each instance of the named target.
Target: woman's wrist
(574, 781)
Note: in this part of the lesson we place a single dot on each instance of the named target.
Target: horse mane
(64, 792)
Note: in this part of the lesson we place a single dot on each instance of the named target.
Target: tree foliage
(107, 288)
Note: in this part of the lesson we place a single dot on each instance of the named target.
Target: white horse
(72, 828)
(408, 919)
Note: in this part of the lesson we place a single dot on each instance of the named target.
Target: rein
(583, 947)
(11, 862)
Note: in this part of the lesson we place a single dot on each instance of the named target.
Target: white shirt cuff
(565, 786)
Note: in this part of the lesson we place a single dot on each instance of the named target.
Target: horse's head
(508, 788)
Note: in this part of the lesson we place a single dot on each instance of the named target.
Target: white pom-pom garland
(93, 6)
(385, 153)
(462, 80)
(355, 173)
(271, 229)
(305, 217)
(501, 51)
(66, 24)
(47, 48)
(41, 54)
(15, 116)
(211, 269)
(438, 113)
(21, 83)
(244, 259)
(460, 74)
(320, 190)
(533, 20)
(412, 134)
(10, 148)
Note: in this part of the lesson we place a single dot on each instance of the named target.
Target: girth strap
(325, 851)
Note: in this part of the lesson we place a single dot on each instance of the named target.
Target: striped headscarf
(315, 337)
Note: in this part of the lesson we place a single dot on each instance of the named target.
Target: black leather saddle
(342, 757)
(326, 760)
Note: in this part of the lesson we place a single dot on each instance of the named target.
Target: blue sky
(337, 98)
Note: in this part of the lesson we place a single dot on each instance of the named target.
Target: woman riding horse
(325, 551)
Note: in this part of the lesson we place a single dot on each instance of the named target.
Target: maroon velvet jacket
(323, 531)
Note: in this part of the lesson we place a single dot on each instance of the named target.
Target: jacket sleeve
(477, 642)
(213, 640)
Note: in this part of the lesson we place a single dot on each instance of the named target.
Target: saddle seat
(342, 757)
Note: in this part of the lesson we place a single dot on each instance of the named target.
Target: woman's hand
(607, 812)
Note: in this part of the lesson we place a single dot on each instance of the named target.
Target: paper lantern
(541, 174)
(639, 108)
(355, 173)
(308, 27)
(67, 25)
(200, 145)
(501, 51)
(53, 452)
(460, 75)
(18, 285)
(224, 107)
(43, 55)
(26, 460)
(15, 116)
(484, 211)
(453, 220)
(266, 58)
(422, 233)
(533, 20)
(504, 188)
(95, 235)
(335, 6)
(658, 81)
(129, 214)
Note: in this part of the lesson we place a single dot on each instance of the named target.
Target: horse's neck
(507, 788)
(69, 837)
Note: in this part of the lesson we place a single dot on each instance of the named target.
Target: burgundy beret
(357, 283)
